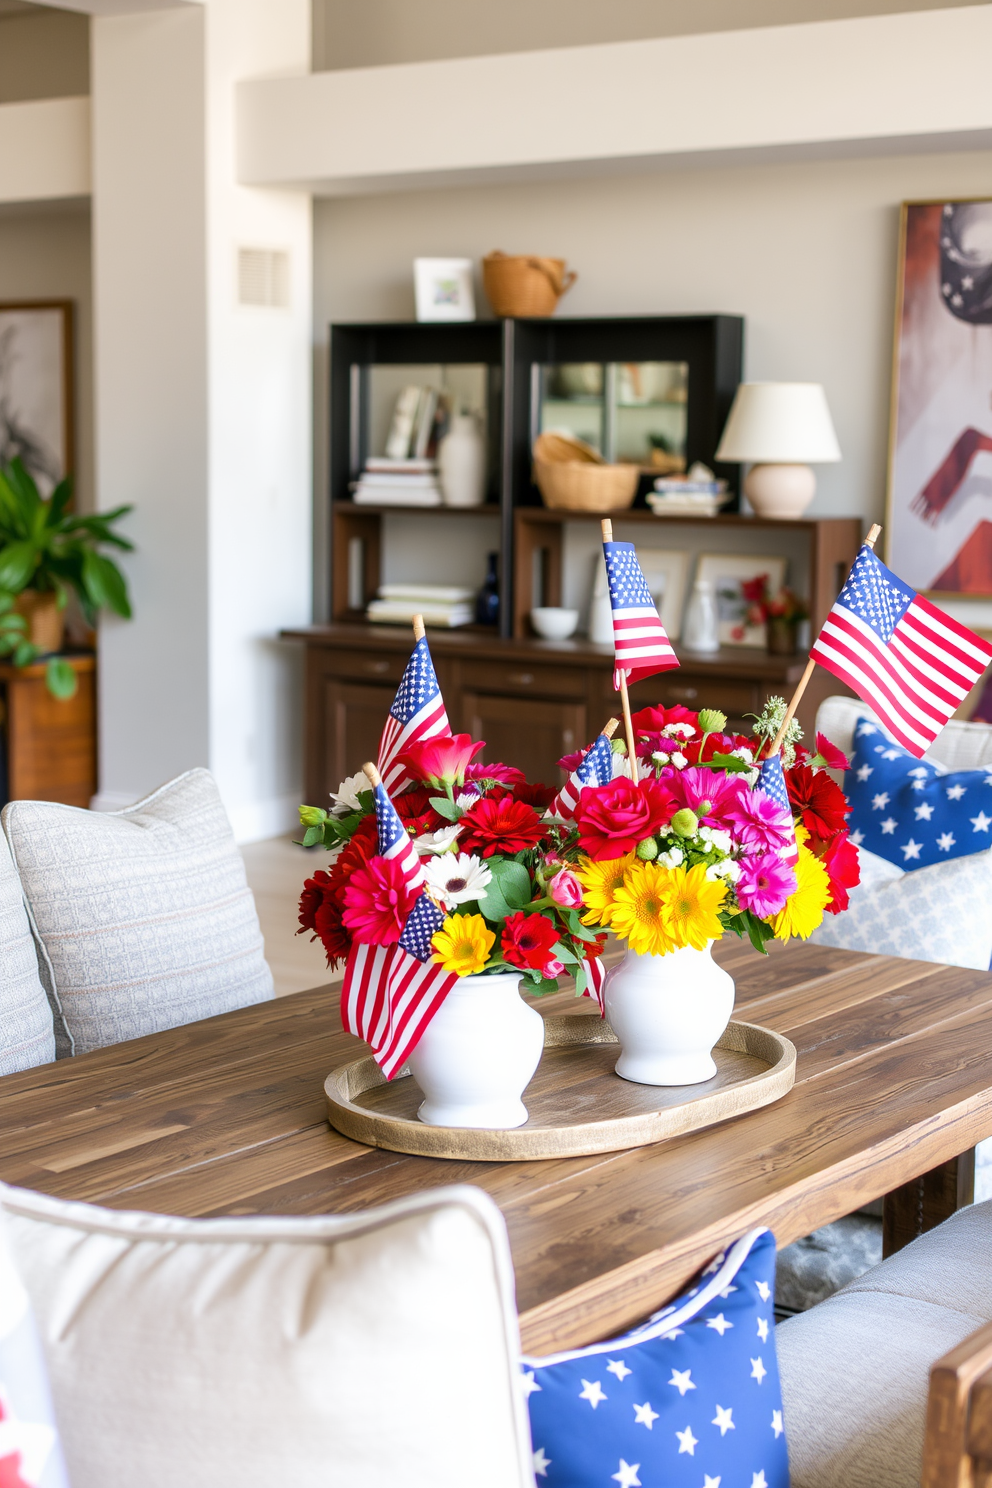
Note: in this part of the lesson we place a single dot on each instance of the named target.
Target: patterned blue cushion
(911, 811)
(690, 1399)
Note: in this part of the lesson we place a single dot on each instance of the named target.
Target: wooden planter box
(51, 744)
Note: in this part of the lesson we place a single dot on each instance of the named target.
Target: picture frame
(727, 572)
(36, 388)
(665, 572)
(938, 532)
(443, 289)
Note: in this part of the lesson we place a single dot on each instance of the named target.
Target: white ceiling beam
(871, 84)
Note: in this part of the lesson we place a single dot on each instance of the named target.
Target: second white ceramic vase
(478, 1054)
(668, 1012)
(461, 463)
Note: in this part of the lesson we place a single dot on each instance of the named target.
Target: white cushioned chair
(959, 745)
(143, 918)
(855, 1369)
(378, 1349)
(27, 1034)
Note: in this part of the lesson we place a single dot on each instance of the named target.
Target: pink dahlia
(760, 824)
(378, 899)
(765, 884)
(697, 788)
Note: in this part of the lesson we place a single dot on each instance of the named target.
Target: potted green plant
(48, 552)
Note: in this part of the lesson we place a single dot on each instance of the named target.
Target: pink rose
(566, 890)
(552, 968)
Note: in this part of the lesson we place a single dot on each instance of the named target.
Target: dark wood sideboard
(532, 701)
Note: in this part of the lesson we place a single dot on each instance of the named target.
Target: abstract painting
(940, 467)
(35, 388)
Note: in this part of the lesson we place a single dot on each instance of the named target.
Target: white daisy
(345, 798)
(439, 841)
(456, 878)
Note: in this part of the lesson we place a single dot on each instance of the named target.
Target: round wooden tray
(577, 1104)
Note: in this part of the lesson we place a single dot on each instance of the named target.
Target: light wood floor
(276, 870)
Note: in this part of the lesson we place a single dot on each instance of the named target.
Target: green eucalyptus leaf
(446, 808)
(539, 986)
(312, 836)
(513, 881)
(729, 762)
(61, 678)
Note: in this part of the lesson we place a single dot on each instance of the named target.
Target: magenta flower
(759, 823)
(566, 890)
(694, 787)
(765, 884)
(553, 968)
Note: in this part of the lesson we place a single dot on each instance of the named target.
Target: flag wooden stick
(372, 775)
(624, 699)
(418, 628)
(790, 712)
(611, 728)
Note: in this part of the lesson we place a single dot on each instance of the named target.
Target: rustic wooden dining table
(227, 1117)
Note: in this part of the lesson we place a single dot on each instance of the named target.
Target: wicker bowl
(579, 486)
(524, 286)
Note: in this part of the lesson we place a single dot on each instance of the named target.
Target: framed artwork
(443, 288)
(727, 572)
(36, 388)
(665, 573)
(939, 534)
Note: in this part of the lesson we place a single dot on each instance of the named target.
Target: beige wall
(45, 255)
(43, 54)
(805, 252)
(369, 33)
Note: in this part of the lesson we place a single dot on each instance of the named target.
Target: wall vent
(263, 277)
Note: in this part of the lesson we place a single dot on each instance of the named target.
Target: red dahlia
(504, 826)
(822, 804)
(843, 865)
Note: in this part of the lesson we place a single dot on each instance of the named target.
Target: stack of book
(389, 482)
(445, 605)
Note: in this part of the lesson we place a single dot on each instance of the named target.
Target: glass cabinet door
(633, 412)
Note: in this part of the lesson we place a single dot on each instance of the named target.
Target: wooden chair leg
(927, 1201)
(959, 1416)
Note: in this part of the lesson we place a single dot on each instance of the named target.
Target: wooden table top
(226, 1116)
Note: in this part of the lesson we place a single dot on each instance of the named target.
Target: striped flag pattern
(596, 768)
(595, 977)
(902, 655)
(771, 779)
(392, 992)
(417, 713)
(641, 647)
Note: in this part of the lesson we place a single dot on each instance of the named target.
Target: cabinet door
(530, 733)
(354, 714)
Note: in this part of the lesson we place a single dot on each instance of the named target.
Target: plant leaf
(17, 564)
(61, 678)
(446, 808)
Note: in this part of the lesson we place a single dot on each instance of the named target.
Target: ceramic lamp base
(783, 491)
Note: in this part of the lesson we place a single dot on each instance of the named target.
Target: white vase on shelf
(668, 1012)
(701, 631)
(478, 1054)
(461, 462)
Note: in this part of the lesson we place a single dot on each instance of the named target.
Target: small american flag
(391, 993)
(641, 647)
(595, 977)
(771, 780)
(417, 713)
(596, 768)
(901, 654)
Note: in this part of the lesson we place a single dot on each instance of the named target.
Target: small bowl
(554, 623)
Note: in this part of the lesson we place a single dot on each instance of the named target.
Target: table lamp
(779, 428)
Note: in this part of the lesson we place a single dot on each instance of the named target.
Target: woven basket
(578, 486)
(557, 447)
(525, 286)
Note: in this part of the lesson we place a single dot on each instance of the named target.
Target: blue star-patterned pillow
(691, 1399)
(910, 811)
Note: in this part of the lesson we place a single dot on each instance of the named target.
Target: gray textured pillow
(144, 917)
(26, 1033)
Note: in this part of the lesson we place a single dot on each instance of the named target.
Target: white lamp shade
(782, 423)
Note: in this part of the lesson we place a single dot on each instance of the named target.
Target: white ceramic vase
(478, 1054)
(461, 462)
(668, 1012)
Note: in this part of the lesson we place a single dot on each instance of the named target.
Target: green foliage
(44, 546)
(746, 923)
(508, 891)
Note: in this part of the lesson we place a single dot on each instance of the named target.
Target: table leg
(926, 1201)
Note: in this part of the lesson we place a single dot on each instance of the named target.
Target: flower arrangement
(510, 900)
(697, 847)
(693, 848)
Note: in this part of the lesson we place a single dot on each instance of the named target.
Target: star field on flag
(641, 647)
(417, 713)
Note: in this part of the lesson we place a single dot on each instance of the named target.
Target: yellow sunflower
(803, 910)
(463, 944)
(691, 905)
(600, 882)
(637, 914)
